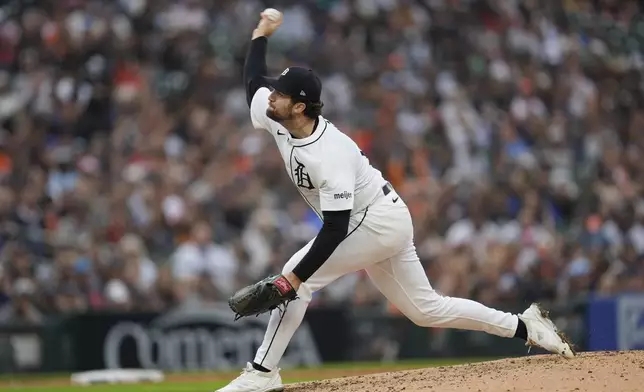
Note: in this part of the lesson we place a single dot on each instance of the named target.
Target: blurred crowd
(131, 177)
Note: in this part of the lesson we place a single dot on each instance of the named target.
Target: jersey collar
(313, 137)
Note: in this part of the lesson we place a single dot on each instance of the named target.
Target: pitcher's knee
(289, 266)
(428, 312)
(305, 293)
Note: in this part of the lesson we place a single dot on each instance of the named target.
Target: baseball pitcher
(366, 225)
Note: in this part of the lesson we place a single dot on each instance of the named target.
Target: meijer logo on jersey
(343, 195)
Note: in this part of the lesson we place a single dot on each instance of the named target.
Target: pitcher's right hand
(267, 25)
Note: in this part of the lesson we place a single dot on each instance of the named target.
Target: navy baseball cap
(298, 83)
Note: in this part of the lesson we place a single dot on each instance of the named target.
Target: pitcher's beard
(273, 116)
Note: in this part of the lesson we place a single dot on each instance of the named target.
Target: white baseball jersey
(331, 174)
(327, 167)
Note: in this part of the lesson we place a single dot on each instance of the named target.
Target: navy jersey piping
(360, 223)
(326, 124)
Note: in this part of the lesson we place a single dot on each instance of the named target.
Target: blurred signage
(616, 323)
(198, 338)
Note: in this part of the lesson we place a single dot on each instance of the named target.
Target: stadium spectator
(130, 177)
(203, 267)
(21, 309)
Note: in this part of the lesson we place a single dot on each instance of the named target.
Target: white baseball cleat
(543, 333)
(252, 380)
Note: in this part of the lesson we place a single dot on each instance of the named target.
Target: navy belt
(387, 188)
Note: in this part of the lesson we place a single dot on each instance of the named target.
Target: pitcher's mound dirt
(588, 372)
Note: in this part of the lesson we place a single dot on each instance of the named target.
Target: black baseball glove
(263, 296)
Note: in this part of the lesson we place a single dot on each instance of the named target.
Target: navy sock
(522, 331)
(260, 368)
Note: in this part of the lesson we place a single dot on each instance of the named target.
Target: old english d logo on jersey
(302, 177)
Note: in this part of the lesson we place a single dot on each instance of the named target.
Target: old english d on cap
(299, 83)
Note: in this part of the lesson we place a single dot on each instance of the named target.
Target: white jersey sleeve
(258, 106)
(337, 189)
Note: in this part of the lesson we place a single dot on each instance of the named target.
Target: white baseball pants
(381, 242)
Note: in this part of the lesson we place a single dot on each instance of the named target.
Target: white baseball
(273, 14)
